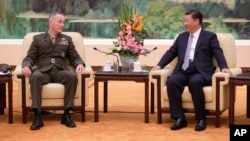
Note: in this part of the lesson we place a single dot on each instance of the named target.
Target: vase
(127, 61)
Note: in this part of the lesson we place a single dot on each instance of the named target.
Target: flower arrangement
(131, 34)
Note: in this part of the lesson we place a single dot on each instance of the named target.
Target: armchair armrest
(225, 76)
(157, 78)
(163, 73)
(89, 71)
(220, 87)
(220, 75)
(17, 72)
(236, 71)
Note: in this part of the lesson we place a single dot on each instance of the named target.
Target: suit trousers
(54, 75)
(175, 87)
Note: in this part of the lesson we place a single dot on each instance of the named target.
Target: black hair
(195, 14)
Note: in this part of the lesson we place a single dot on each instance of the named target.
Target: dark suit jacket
(207, 47)
(45, 54)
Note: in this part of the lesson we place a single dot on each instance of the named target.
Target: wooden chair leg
(24, 115)
(217, 120)
(152, 99)
(83, 113)
(217, 106)
(159, 108)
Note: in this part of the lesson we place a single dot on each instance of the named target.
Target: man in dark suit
(195, 50)
(49, 51)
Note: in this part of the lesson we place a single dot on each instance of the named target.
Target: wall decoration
(98, 18)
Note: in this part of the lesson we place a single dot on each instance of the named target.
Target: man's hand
(26, 71)
(156, 68)
(80, 68)
(225, 70)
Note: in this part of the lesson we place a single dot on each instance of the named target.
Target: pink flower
(130, 37)
(120, 33)
(131, 44)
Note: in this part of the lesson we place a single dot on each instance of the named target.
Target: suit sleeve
(169, 55)
(218, 52)
(73, 55)
(30, 58)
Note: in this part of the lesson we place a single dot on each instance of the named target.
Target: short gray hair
(53, 14)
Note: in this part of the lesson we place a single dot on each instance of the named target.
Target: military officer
(49, 52)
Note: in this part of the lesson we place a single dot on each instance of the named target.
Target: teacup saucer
(108, 70)
(136, 70)
(139, 71)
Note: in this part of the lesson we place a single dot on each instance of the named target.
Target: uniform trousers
(54, 75)
(175, 87)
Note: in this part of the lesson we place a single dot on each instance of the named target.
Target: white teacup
(107, 66)
(138, 66)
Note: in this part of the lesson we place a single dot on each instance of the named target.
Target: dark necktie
(187, 54)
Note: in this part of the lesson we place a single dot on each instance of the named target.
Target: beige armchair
(53, 93)
(216, 96)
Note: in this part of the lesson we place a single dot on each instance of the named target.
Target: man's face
(191, 25)
(57, 23)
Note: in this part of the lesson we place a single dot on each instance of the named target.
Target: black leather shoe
(66, 120)
(37, 124)
(180, 123)
(201, 125)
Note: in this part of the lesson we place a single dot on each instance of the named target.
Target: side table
(101, 76)
(239, 80)
(6, 79)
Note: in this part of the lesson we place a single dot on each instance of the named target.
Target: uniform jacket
(207, 47)
(44, 54)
